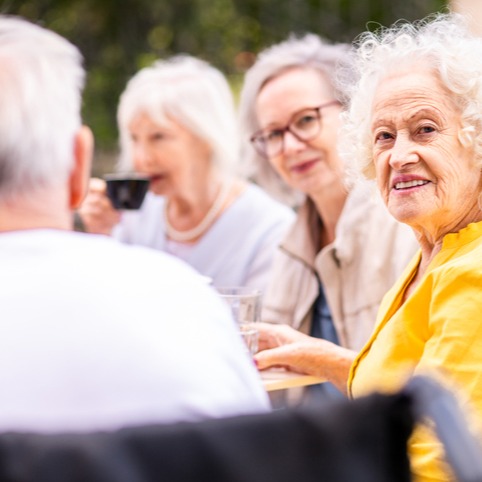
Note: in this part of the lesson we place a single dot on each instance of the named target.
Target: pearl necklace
(214, 210)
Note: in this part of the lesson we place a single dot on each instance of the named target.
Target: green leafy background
(117, 37)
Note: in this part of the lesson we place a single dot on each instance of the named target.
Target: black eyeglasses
(305, 125)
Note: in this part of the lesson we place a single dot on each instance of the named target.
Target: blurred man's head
(42, 142)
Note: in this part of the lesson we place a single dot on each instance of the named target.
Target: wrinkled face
(169, 153)
(308, 166)
(427, 178)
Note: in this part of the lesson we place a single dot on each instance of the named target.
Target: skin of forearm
(328, 361)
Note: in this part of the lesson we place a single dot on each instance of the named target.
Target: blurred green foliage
(117, 37)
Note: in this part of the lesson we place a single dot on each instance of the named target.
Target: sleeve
(258, 272)
(454, 349)
(124, 230)
(133, 228)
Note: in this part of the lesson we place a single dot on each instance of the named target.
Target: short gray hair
(41, 81)
(195, 94)
(309, 51)
(441, 41)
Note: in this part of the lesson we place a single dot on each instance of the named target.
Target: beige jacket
(356, 270)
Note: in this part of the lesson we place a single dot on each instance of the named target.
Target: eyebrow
(419, 113)
(428, 112)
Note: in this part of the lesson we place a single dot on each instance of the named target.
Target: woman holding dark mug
(178, 127)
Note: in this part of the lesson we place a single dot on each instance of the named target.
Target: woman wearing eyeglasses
(344, 251)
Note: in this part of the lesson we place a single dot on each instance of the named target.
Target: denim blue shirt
(322, 327)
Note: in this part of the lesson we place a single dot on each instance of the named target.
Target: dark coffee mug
(126, 191)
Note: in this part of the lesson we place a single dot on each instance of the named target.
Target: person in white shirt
(95, 334)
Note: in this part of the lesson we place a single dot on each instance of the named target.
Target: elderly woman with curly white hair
(415, 125)
(177, 125)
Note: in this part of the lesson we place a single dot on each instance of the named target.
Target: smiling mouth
(303, 166)
(407, 184)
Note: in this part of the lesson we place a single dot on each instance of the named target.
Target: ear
(79, 177)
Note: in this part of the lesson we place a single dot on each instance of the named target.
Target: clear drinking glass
(245, 304)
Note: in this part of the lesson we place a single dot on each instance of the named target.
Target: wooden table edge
(282, 379)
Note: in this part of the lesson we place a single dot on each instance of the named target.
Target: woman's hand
(283, 346)
(96, 211)
(273, 335)
(278, 345)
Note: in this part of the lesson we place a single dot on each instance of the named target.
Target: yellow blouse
(437, 329)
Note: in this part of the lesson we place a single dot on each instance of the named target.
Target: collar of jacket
(302, 241)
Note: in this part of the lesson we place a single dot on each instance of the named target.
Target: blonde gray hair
(41, 82)
(195, 94)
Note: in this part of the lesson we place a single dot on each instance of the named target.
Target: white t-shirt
(237, 250)
(99, 335)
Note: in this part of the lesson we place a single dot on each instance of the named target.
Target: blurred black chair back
(432, 401)
(350, 441)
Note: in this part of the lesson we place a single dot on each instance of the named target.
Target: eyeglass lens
(305, 126)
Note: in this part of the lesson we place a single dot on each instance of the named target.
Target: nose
(140, 156)
(292, 144)
(403, 153)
